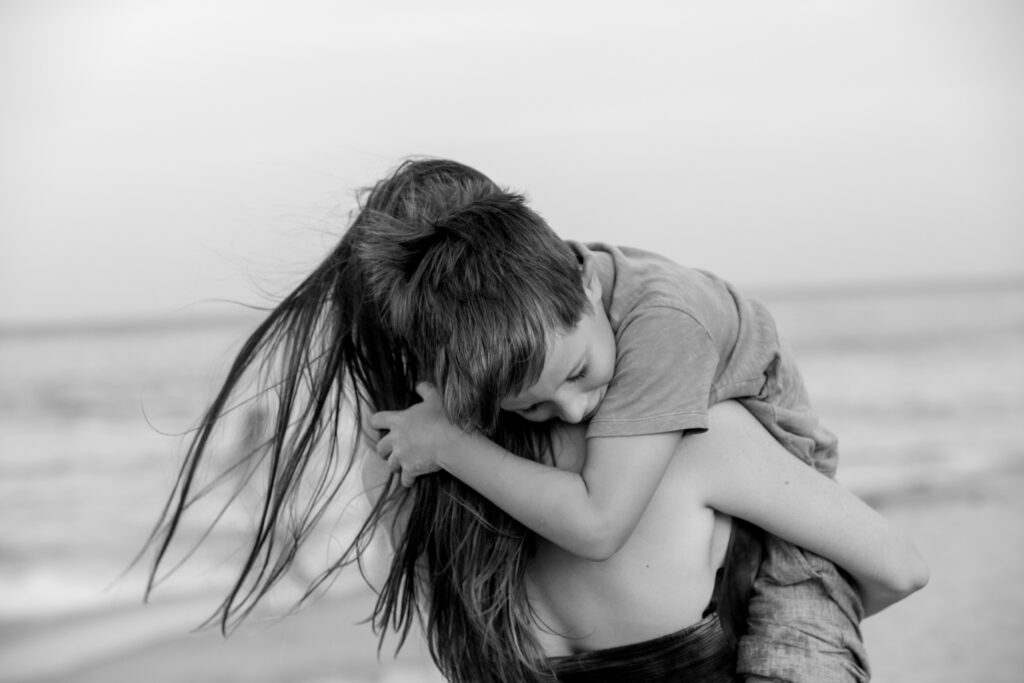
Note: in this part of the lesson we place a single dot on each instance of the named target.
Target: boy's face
(579, 366)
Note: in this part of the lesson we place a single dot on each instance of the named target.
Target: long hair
(326, 356)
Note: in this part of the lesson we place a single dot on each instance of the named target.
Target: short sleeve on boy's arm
(665, 365)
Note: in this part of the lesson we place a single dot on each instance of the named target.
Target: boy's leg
(803, 621)
(804, 614)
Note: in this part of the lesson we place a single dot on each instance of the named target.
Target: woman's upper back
(658, 583)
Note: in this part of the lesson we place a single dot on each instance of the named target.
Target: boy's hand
(416, 437)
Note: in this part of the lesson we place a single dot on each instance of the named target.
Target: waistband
(699, 652)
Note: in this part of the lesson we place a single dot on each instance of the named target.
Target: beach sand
(967, 623)
(322, 643)
(963, 627)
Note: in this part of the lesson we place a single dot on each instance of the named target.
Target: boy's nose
(573, 408)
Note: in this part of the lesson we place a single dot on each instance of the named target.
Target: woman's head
(346, 339)
(470, 278)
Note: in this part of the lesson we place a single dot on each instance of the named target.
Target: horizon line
(122, 323)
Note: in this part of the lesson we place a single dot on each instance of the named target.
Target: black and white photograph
(396, 342)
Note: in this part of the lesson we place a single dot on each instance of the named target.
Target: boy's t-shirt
(685, 339)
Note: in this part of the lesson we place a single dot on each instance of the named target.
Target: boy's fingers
(395, 466)
(426, 390)
(381, 420)
(407, 479)
(384, 447)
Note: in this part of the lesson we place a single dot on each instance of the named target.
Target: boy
(629, 342)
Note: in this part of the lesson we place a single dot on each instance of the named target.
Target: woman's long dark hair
(325, 357)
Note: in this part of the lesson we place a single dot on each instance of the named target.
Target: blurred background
(857, 165)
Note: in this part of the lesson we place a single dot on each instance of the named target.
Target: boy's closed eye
(581, 374)
(575, 377)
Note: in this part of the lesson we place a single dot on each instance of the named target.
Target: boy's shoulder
(636, 282)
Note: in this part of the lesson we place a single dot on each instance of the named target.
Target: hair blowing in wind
(356, 336)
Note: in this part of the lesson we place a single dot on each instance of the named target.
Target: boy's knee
(793, 657)
(804, 621)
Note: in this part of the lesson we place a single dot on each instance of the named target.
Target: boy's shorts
(803, 620)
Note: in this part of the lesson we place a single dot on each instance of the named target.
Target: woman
(647, 613)
(496, 602)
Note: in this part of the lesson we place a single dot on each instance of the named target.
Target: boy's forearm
(590, 514)
(554, 503)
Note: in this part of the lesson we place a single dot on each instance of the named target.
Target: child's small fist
(411, 444)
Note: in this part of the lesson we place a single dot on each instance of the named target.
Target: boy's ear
(591, 282)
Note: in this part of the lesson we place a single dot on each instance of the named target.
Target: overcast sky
(156, 156)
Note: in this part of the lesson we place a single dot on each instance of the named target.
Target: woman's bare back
(659, 582)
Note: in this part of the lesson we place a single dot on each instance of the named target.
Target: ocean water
(924, 386)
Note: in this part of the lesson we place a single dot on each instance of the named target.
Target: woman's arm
(746, 473)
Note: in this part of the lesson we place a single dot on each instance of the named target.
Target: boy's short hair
(470, 278)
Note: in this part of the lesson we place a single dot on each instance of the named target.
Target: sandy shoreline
(155, 643)
(964, 626)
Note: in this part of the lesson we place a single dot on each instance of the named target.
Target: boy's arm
(590, 514)
(744, 472)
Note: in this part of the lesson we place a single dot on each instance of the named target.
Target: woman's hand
(416, 438)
